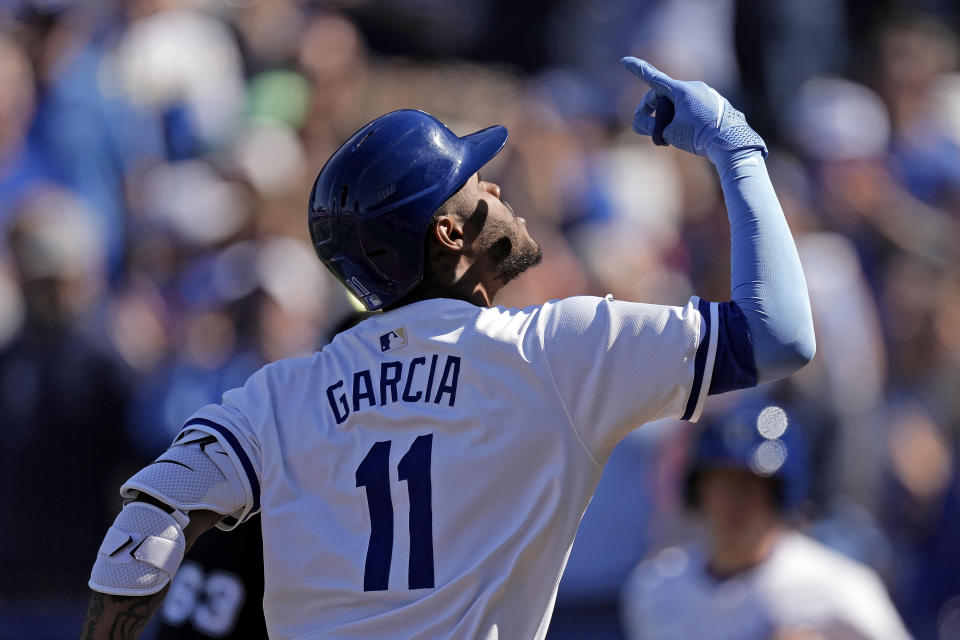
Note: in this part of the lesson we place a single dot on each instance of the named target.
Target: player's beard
(514, 252)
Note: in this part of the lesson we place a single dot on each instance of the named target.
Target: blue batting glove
(704, 122)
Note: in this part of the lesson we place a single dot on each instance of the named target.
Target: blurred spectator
(62, 406)
(782, 44)
(22, 165)
(270, 33)
(914, 52)
(753, 576)
(843, 130)
(92, 136)
(845, 384)
(333, 58)
(921, 512)
(185, 65)
(251, 304)
(585, 35)
(696, 36)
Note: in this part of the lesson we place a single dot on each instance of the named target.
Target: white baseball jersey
(801, 587)
(423, 475)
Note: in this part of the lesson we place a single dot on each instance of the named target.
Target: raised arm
(766, 329)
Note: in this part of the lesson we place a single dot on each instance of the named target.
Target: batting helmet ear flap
(373, 199)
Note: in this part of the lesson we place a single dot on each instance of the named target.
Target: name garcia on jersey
(398, 381)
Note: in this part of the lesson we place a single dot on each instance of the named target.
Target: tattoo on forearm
(131, 621)
(119, 617)
(94, 613)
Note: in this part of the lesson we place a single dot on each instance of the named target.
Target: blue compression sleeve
(768, 290)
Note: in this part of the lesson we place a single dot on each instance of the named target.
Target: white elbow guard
(195, 473)
(141, 551)
(144, 548)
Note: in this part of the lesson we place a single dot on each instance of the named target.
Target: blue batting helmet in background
(374, 198)
(756, 436)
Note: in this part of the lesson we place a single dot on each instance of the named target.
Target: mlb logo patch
(393, 340)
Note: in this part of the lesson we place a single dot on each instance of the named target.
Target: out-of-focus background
(155, 161)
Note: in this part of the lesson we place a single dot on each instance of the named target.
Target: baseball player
(423, 476)
(753, 577)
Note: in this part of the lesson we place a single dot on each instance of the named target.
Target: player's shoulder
(569, 317)
(799, 551)
(809, 583)
(579, 316)
(808, 561)
(282, 372)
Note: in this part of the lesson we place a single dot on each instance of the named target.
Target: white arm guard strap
(141, 551)
(144, 548)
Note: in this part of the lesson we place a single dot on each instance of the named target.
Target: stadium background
(155, 157)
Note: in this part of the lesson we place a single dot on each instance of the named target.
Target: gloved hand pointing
(703, 121)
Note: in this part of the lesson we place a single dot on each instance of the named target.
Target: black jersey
(218, 590)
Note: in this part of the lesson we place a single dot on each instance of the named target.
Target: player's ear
(448, 232)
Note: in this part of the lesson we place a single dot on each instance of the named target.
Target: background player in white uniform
(424, 475)
(753, 577)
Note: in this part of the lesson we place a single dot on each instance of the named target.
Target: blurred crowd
(156, 156)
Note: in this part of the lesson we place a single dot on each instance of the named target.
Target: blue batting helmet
(759, 437)
(374, 198)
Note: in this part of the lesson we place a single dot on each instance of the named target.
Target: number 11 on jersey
(374, 475)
